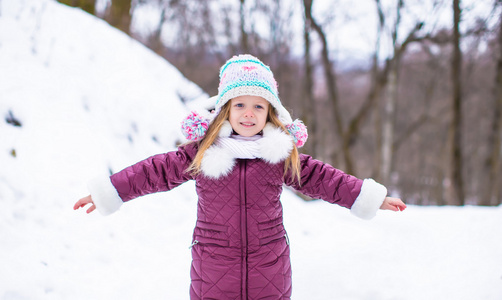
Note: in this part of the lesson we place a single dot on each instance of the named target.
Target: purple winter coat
(240, 248)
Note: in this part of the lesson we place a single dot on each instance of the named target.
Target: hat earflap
(298, 131)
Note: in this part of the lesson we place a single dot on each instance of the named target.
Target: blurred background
(407, 92)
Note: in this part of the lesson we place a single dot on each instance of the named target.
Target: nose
(249, 113)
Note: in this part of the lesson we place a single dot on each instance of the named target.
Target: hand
(394, 204)
(83, 202)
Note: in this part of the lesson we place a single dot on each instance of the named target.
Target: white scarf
(241, 147)
(273, 147)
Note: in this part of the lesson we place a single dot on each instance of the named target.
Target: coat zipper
(244, 237)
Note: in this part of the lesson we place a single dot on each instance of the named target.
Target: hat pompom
(299, 132)
(194, 126)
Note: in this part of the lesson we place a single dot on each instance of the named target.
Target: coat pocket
(200, 240)
(271, 231)
(210, 234)
(270, 224)
(211, 226)
(274, 238)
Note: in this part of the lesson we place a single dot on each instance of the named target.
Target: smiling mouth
(246, 124)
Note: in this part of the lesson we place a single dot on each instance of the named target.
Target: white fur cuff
(104, 195)
(369, 200)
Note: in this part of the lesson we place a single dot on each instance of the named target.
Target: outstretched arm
(394, 204)
(157, 173)
(83, 202)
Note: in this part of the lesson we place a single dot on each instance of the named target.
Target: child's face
(248, 114)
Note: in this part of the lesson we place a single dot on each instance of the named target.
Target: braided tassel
(298, 131)
(194, 126)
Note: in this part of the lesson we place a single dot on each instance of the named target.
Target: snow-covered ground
(90, 101)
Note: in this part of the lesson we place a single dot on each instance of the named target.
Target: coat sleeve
(158, 173)
(322, 181)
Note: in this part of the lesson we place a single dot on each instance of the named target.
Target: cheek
(264, 116)
(231, 115)
(233, 119)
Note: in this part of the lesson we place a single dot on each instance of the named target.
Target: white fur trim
(217, 162)
(275, 145)
(226, 129)
(104, 195)
(369, 200)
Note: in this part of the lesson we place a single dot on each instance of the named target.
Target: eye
(239, 105)
(259, 107)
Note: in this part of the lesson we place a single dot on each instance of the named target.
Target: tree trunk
(309, 105)
(386, 140)
(375, 92)
(390, 103)
(244, 35)
(388, 124)
(119, 15)
(456, 159)
(331, 85)
(86, 5)
(492, 194)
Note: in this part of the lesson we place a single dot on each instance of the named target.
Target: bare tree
(391, 92)
(493, 194)
(308, 85)
(390, 102)
(331, 85)
(458, 196)
(348, 135)
(244, 40)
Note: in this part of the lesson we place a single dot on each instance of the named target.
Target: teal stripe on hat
(248, 83)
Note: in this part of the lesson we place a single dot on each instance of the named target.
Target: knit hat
(246, 75)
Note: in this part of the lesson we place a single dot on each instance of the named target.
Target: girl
(240, 161)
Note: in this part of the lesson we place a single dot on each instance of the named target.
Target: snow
(92, 100)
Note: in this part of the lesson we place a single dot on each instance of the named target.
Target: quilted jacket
(240, 248)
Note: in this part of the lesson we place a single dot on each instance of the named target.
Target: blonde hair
(292, 161)
(209, 138)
